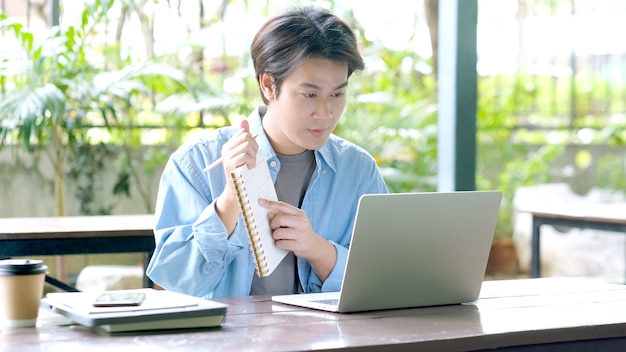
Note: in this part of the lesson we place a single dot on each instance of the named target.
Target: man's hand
(239, 150)
(292, 231)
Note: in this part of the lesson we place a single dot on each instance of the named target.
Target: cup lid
(22, 267)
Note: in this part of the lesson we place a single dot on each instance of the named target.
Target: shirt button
(273, 163)
(323, 172)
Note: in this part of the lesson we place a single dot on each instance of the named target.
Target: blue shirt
(194, 254)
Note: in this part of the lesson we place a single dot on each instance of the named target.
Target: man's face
(310, 104)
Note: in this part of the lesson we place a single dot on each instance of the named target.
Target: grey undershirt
(291, 184)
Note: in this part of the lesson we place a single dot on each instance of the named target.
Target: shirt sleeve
(192, 247)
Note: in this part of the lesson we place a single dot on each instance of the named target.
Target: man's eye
(338, 94)
(310, 95)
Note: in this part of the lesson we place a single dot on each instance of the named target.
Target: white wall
(27, 187)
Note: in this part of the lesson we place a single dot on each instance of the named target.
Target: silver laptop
(413, 250)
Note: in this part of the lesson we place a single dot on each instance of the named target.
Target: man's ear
(266, 81)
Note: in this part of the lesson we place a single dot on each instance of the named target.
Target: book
(170, 324)
(252, 184)
(160, 310)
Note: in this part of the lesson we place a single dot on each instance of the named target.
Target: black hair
(286, 41)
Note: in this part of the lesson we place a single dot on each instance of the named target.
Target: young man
(303, 59)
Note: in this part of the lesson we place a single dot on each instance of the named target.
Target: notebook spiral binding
(248, 218)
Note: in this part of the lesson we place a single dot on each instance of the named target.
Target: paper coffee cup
(21, 288)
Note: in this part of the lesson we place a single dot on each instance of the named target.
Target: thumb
(244, 125)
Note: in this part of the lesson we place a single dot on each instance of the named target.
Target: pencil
(219, 160)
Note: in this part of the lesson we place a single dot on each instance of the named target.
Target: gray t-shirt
(291, 184)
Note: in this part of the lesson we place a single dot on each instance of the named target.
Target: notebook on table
(413, 250)
(160, 310)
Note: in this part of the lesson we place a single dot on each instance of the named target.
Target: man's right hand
(239, 150)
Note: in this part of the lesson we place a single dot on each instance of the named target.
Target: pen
(219, 160)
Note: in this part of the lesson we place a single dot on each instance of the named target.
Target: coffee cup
(21, 289)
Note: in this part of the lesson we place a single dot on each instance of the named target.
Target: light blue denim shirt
(193, 253)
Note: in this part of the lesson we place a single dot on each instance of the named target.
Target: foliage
(70, 86)
(501, 163)
(523, 107)
(46, 105)
(394, 117)
(513, 115)
(88, 163)
(523, 165)
(611, 174)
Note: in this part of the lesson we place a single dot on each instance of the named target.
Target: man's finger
(278, 207)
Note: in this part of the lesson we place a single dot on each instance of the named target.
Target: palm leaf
(27, 108)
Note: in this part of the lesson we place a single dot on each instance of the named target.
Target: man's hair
(286, 41)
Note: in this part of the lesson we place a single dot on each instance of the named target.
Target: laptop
(413, 250)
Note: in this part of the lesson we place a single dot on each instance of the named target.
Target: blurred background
(95, 95)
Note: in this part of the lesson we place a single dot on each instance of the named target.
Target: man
(303, 59)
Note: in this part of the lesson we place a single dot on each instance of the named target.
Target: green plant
(46, 106)
(87, 164)
(611, 173)
(508, 157)
(523, 166)
(393, 115)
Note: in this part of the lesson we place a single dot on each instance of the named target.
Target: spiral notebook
(252, 184)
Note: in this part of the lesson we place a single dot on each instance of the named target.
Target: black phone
(119, 299)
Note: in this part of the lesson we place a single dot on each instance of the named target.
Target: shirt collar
(324, 154)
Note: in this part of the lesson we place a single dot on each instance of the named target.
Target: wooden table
(36, 236)
(546, 314)
(605, 217)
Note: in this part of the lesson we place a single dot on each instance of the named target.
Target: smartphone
(119, 299)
